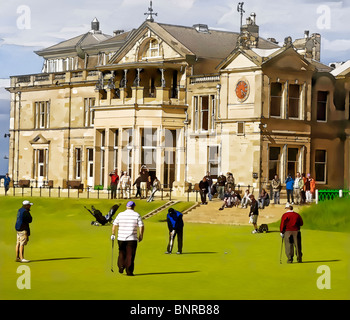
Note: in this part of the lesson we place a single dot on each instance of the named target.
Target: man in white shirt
(127, 223)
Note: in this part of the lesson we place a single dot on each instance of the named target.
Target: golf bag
(263, 228)
(100, 218)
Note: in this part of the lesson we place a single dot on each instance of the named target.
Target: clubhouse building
(183, 100)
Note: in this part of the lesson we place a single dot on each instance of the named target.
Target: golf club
(112, 256)
(281, 251)
(172, 235)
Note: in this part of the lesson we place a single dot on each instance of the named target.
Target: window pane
(276, 99)
(322, 105)
(320, 172)
(320, 156)
(205, 111)
(274, 153)
(293, 107)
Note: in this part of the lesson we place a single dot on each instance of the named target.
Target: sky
(29, 25)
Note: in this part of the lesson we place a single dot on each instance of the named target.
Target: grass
(70, 259)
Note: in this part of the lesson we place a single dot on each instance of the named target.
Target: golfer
(290, 231)
(127, 223)
(254, 213)
(175, 226)
(24, 218)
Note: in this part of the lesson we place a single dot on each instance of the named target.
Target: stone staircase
(161, 208)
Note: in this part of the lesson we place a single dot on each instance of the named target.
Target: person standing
(175, 226)
(7, 181)
(127, 223)
(144, 181)
(289, 187)
(254, 213)
(298, 185)
(220, 185)
(290, 231)
(276, 188)
(210, 183)
(203, 189)
(114, 183)
(24, 218)
(125, 184)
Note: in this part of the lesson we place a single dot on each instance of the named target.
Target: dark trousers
(127, 253)
(138, 193)
(113, 191)
(203, 195)
(290, 195)
(179, 234)
(293, 240)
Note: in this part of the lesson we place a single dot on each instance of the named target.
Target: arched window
(150, 49)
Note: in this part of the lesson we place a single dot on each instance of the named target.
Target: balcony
(50, 79)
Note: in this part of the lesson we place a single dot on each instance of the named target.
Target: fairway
(70, 259)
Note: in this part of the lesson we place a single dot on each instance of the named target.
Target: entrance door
(90, 167)
(169, 168)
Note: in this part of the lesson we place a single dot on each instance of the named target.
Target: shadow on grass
(199, 252)
(321, 261)
(160, 273)
(56, 259)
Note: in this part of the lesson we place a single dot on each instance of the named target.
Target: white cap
(26, 202)
(287, 205)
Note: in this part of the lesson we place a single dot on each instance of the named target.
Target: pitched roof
(84, 40)
(341, 70)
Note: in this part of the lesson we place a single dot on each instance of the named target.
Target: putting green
(70, 259)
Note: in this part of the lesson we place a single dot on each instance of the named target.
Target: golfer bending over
(175, 226)
(290, 231)
(127, 223)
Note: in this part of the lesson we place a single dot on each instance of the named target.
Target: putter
(281, 251)
(112, 256)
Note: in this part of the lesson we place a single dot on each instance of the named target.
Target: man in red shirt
(290, 231)
(114, 183)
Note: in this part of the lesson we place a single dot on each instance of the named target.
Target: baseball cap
(287, 205)
(26, 202)
(130, 204)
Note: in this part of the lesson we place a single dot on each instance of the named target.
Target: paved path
(210, 213)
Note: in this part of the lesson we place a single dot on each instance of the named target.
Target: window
(213, 110)
(275, 99)
(274, 161)
(149, 144)
(322, 97)
(115, 148)
(292, 162)
(213, 161)
(151, 49)
(78, 163)
(195, 116)
(205, 113)
(240, 128)
(90, 167)
(103, 144)
(89, 114)
(40, 164)
(293, 101)
(320, 165)
(127, 142)
(42, 115)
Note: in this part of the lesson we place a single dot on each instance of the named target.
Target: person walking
(125, 185)
(175, 226)
(138, 186)
(290, 232)
(24, 218)
(276, 188)
(254, 213)
(289, 187)
(114, 183)
(155, 187)
(127, 223)
(7, 181)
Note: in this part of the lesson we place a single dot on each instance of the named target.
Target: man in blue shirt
(23, 231)
(289, 187)
(7, 181)
(175, 226)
